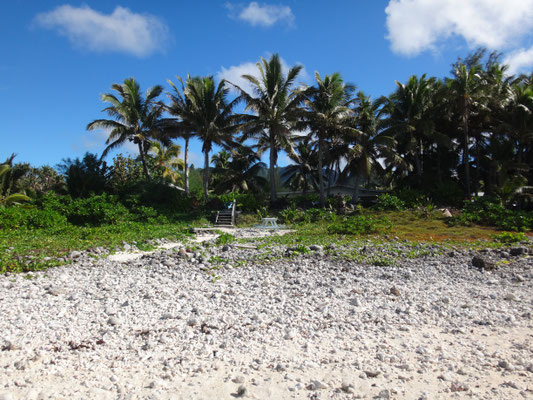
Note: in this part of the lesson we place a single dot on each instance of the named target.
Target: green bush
(290, 214)
(318, 214)
(225, 238)
(389, 202)
(411, 198)
(32, 218)
(510, 237)
(144, 213)
(487, 211)
(246, 202)
(97, 210)
(359, 225)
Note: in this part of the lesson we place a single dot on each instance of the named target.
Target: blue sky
(58, 57)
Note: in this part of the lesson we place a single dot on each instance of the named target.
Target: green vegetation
(360, 225)
(510, 237)
(432, 142)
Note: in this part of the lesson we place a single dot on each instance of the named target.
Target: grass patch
(36, 249)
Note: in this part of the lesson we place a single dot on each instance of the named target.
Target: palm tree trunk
(356, 190)
(466, 161)
(439, 168)
(478, 163)
(320, 175)
(273, 159)
(330, 179)
(206, 175)
(143, 161)
(186, 166)
(418, 163)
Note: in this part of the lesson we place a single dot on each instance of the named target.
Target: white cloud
(262, 15)
(122, 30)
(94, 142)
(234, 73)
(520, 61)
(418, 25)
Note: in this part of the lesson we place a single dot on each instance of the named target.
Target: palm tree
(327, 115)
(180, 105)
(6, 182)
(134, 118)
(167, 159)
(275, 108)
(239, 171)
(302, 173)
(221, 160)
(465, 88)
(205, 112)
(518, 116)
(410, 120)
(364, 150)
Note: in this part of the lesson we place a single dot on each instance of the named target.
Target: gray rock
(518, 251)
(317, 385)
(510, 297)
(372, 374)
(241, 391)
(483, 263)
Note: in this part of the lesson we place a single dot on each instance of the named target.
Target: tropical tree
(302, 173)
(174, 128)
(134, 118)
(364, 150)
(518, 116)
(168, 161)
(239, 171)
(204, 110)
(275, 107)
(466, 89)
(411, 120)
(6, 183)
(328, 115)
(87, 176)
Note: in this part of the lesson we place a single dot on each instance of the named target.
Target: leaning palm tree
(209, 116)
(328, 115)
(275, 108)
(134, 118)
(177, 127)
(168, 161)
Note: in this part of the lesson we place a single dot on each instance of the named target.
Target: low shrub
(487, 211)
(246, 202)
(290, 214)
(510, 237)
(389, 202)
(97, 210)
(359, 225)
(411, 198)
(31, 218)
(225, 238)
